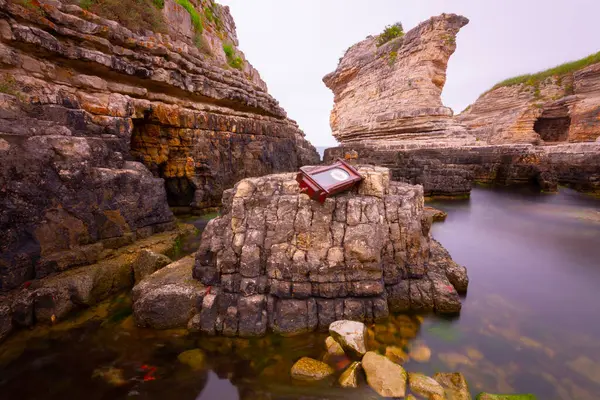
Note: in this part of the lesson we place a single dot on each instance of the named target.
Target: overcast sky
(294, 43)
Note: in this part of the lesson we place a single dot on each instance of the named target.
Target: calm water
(530, 323)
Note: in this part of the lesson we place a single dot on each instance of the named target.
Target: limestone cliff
(560, 108)
(388, 112)
(393, 91)
(84, 98)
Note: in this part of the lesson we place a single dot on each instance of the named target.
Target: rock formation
(277, 260)
(393, 91)
(560, 108)
(388, 112)
(83, 98)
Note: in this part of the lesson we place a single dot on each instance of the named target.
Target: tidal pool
(529, 323)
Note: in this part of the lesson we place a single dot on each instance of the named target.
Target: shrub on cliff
(196, 21)
(136, 15)
(390, 32)
(233, 60)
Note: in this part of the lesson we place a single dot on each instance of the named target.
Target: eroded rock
(277, 260)
(103, 127)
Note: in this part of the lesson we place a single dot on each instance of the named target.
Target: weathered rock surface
(195, 359)
(454, 384)
(84, 99)
(561, 108)
(388, 379)
(308, 369)
(425, 386)
(349, 378)
(277, 260)
(350, 335)
(55, 297)
(488, 396)
(445, 169)
(167, 299)
(393, 91)
(333, 347)
(388, 112)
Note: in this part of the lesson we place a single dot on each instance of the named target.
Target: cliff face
(562, 108)
(388, 112)
(84, 99)
(393, 91)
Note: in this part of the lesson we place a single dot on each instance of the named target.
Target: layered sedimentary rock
(387, 114)
(449, 170)
(393, 91)
(83, 99)
(278, 260)
(562, 108)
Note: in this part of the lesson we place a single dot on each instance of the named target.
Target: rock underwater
(276, 260)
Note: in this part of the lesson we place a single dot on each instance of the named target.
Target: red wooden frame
(319, 193)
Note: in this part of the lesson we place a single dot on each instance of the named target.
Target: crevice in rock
(153, 150)
(553, 125)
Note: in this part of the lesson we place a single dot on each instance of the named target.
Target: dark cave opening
(553, 126)
(150, 146)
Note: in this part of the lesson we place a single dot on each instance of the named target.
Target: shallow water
(529, 323)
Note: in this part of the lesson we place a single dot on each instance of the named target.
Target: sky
(294, 43)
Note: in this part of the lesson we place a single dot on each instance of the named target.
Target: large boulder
(167, 299)
(387, 378)
(278, 260)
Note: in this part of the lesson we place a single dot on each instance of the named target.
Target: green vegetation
(136, 15)
(233, 60)
(392, 59)
(560, 70)
(390, 32)
(196, 20)
(8, 85)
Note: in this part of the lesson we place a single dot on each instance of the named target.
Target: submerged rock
(167, 299)
(420, 353)
(333, 347)
(349, 378)
(5, 321)
(308, 369)
(435, 214)
(487, 396)
(350, 335)
(277, 260)
(195, 359)
(454, 384)
(425, 386)
(111, 375)
(387, 378)
(396, 354)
